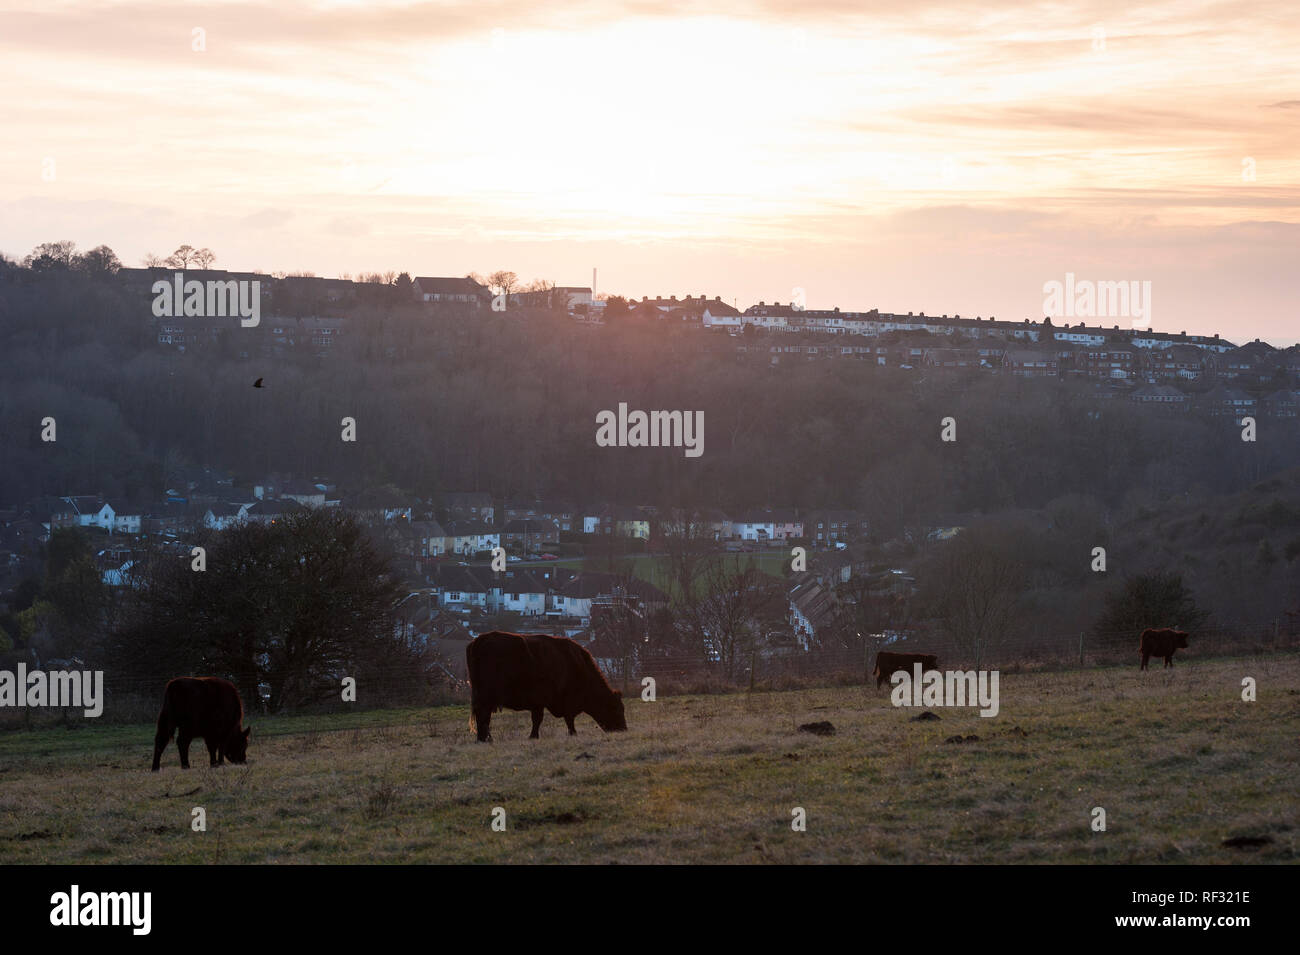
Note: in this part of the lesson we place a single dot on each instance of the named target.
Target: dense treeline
(507, 403)
(286, 610)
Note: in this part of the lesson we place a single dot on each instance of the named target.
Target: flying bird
(258, 383)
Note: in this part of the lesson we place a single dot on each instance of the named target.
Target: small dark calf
(887, 664)
(1161, 643)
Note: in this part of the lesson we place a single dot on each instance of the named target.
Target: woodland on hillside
(447, 399)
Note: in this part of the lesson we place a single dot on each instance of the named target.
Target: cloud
(346, 226)
(267, 219)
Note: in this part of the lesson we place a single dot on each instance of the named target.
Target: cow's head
(237, 745)
(1180, 639)
(610, 717)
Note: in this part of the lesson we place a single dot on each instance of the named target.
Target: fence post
(1080, 648)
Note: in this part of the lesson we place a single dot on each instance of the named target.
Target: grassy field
(655, 568)
(1177, 759)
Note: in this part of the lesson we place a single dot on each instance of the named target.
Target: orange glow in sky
(946, 157)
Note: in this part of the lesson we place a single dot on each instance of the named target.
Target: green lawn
(654, 568)
(1175, 758)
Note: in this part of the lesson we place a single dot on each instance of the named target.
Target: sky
(911, 155)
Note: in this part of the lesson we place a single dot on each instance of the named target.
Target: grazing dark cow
(206, 706)
(536, 672)
(887, 664)
(1161, 643)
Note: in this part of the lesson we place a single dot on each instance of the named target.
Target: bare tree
(503, 282)
(181, 258)
(687, 539)
(728, 610)
(204, 258)
(152, 260)
(973, 588)
(100, 260)
(48, 255)
(864, 606)
(619, 622)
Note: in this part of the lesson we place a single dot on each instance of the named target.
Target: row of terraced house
(527, 529)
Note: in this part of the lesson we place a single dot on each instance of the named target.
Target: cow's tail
(473, 707)
(166, 727)
(166, 722)
(473, 685)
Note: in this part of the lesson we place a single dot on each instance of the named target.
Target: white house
(90, 511)
(518, 592)
(575, 295)
(754, 527)
(464, 291)
(470, 537)
(126, 522)
(120, 576)
(717, 318)
(1081, 335)
(221, 516)
(460, 588)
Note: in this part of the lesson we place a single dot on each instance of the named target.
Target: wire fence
(131, 698)
(842, 665)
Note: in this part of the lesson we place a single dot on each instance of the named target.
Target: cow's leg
(483, 722)
(1169, 660)
(569, 721)
(1145, 657)
(183, 744)
(162, 738)
(537, 722)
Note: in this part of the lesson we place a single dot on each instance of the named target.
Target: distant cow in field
(205, 706)
(887, 664)
(536, 672)
(1161, 643)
